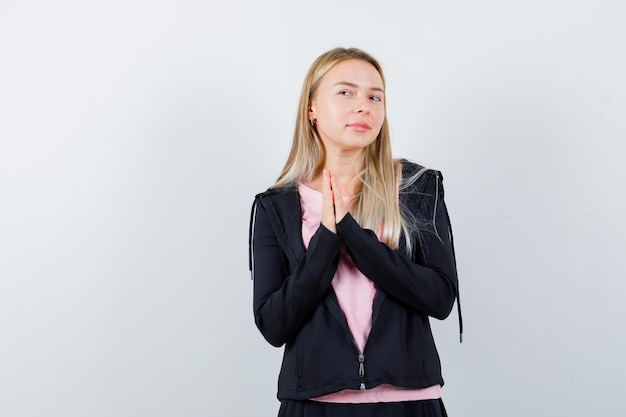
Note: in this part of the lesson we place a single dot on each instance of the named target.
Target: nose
(362, 106)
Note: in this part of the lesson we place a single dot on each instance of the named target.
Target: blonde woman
(351, 253)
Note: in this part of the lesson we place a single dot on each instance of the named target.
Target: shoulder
(277, 193)
(410, 168)
(416, 177)
(281, 202)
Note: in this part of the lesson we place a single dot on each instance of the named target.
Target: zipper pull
(362, 370)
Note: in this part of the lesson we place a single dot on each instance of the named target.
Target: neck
(345, 167)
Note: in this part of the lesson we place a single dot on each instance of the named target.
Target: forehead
(354, 71)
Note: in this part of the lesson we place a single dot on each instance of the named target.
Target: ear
(312, 110)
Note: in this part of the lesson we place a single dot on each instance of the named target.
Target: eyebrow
(349, 84)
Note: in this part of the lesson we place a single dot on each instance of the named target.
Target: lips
(360, 126)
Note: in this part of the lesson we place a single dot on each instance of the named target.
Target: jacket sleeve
(284, 300)
(427, 283)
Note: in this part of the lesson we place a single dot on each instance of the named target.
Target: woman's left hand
(340, 207)
(328, 206)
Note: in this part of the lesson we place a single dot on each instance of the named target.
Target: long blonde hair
(376, 201)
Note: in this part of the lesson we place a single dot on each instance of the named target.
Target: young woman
(351, 253)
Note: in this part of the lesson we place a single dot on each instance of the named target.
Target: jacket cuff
(349, 226)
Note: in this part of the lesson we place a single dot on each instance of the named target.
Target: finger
(327, 193)
(328, 208)
(340, 207)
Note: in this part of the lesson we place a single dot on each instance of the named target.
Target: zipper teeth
(362, 370)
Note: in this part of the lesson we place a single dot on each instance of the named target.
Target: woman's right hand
(328, 203)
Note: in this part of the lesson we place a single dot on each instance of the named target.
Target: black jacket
(294, 303)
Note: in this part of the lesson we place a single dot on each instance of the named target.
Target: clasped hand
(333, 207)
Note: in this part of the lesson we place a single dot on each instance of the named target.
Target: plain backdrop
(134, 135)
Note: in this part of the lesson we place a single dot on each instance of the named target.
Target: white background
(134, 135)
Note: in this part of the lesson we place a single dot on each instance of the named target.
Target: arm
(428, 283)
(284, 300)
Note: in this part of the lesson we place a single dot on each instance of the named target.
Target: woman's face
(348, 106)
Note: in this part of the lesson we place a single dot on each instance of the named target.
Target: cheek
(380, 117)
(335, 109)
(334, 113)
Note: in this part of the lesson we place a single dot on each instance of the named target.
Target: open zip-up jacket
(295, 305)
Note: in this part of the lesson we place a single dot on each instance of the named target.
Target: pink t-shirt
(355, 294)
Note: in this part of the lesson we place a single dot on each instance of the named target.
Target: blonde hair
(376, 201)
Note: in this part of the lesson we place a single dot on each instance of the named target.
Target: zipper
(362, 370)
(360, 356)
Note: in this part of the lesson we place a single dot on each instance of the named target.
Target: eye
(376, 99)
(345, 92)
